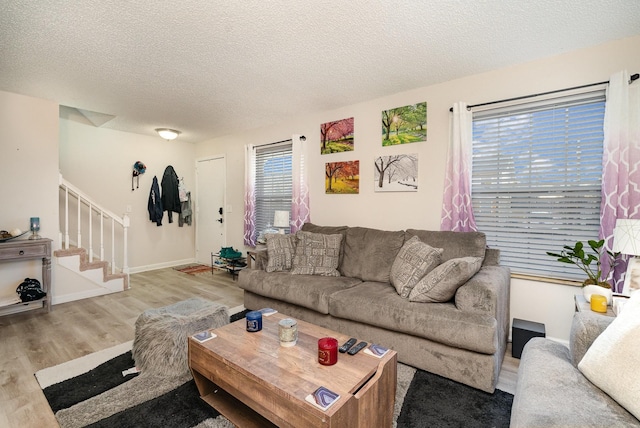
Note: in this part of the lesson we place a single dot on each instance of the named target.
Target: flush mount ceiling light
(168, 134)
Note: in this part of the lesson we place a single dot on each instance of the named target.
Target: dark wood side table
(24, 249)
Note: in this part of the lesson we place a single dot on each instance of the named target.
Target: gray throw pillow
(414, 260)
(441, 284)
(316, 254)
(281, 249)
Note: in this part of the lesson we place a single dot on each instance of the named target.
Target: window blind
(536, 180)
(274, 182)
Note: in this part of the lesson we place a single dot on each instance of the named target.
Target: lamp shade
(626, 237)
(281, 219)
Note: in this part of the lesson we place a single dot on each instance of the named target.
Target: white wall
(99, 162)
(28, 176)
(551, 304)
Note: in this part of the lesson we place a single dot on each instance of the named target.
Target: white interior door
(210, 207)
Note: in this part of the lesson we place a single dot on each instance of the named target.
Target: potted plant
(596, 282)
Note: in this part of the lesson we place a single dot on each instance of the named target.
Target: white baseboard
(155, 266)
(65, 298)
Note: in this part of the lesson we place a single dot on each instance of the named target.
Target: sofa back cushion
(370, 253)
(455, 244)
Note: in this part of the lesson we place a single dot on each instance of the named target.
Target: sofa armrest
(486, 292)
(261, 258)
(586, 326)
(491, 257)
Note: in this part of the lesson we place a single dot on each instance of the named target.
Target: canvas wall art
(342, 177)
(403, 125)
(396, 173)
(337, 136)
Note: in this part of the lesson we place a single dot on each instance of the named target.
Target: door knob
(220, 220)
(220, 211)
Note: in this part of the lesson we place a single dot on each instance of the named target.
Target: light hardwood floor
(33, 341)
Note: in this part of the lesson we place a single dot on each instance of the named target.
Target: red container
(327, 351)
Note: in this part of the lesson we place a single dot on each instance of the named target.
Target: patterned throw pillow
(281, 249)
(316, 254)
(441, 284)
(414, 260)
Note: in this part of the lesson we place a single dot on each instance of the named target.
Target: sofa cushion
(316, 254)
(281, 249)
(608, 363)
(309, 291)
(414, 260)
(441, 284)
(379, 304)
(455, 244)
(369, 253)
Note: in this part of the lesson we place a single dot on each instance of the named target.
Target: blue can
(254, 321)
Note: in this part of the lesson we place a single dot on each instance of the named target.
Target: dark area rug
(430, 401)
(433, 401)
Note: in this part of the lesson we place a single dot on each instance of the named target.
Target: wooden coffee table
(254, 382)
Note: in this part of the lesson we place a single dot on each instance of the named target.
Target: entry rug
(91, 391)
(193, 269)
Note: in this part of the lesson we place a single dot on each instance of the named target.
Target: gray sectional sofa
(462, 338)
(552, 391)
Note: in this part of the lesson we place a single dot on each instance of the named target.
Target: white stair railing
(86, 210)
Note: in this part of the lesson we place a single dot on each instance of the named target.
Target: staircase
(104, 269)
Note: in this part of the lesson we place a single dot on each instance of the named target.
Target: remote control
(357, 348)
(347, 345)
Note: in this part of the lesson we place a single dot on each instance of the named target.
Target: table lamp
(281, 220)
(626, 240)
(34, 225)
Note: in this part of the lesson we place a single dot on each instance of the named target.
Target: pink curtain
(250, 196)
(457, 212)
(300, 210)
(620, 163)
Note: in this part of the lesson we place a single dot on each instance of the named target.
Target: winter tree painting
(396, 173)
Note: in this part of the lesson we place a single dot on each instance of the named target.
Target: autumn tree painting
(336, 136)
(404, 125)
(342, 177)
(396, 173)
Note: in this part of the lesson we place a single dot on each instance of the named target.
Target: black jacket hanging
(155, 203)
(170, 196)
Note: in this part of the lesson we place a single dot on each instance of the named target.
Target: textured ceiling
(211, 68)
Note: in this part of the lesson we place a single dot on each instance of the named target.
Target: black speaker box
(521, 332)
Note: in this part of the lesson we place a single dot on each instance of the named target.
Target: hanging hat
(139, 168)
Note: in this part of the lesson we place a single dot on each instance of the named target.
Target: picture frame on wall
(403, 125)
(342, 177)
(336, 136)
(396, 173)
